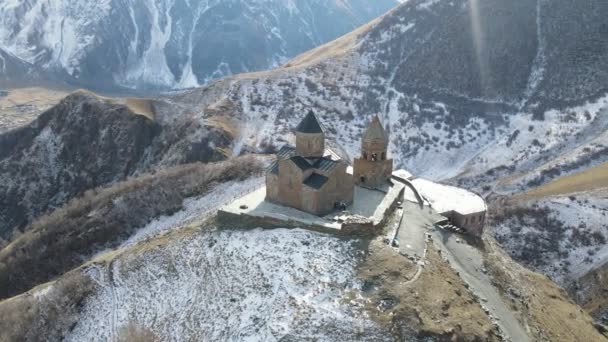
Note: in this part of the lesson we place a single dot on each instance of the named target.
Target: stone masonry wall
(374, 173)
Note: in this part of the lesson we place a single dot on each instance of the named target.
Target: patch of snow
(196, 208)
(403, 174)
(40, 294)
(152, 68)
(578, 217)
(257, 285)
(427, 4)
(445, 198)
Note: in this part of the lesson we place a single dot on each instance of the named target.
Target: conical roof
(309, 124)
(375, 131)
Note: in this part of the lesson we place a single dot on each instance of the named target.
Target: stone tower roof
(375, 131)
(309, 124)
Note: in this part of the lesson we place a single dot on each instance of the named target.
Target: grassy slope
(593, 286)
(139, 106)
(587, 180)
(591, 291)
(437, 304)
(47, 311)
(541, 304)
(102, 218)
(22, 105)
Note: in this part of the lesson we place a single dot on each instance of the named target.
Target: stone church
(309, 177)
(314, 179)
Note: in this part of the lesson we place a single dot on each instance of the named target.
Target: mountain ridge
(150, 46)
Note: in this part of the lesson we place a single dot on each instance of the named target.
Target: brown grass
(139, 106)
(102, 218)
(223, 123)
(593, 296)
(48, 318)
(437, 304)
(135, 333)
(23, 105)
(37, 96)
(334, 49)
(544, 306)
(588, 180)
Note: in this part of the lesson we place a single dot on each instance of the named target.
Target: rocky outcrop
(79, 144)
(15, 72)
(85, 142)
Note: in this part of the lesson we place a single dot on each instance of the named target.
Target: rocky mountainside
(158, 45)
(14, 71)
(479, 96)
(85, 142)
(492, 105)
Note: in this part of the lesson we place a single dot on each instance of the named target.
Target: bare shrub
(102, 218)
(268, 147)
(135, 333)
(48, 316)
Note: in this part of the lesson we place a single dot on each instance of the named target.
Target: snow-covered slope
(563, 237)
(170, 44)
(449, 112)
(234, 285)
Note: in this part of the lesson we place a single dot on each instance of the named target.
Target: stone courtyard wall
(362, 227)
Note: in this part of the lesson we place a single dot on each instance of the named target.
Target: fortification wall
(354, 227)
(228, 220)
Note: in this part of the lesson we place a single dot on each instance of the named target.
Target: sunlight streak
(478, 39)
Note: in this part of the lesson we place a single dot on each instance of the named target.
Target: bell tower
(373, 169)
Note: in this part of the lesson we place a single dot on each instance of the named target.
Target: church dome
(309, 124)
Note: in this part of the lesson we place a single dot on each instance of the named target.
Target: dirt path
(414, 225)
(113, 314)
(468, 262)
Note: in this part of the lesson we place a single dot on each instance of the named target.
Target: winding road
(416, 221)
(468, 262)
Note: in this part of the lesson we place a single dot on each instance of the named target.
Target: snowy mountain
(455, 106)
(170, 44)
(485, 109)
(500, 97)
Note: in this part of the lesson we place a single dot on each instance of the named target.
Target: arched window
(383, 156)
(374, 156)
(365, 155)
(362, 179)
